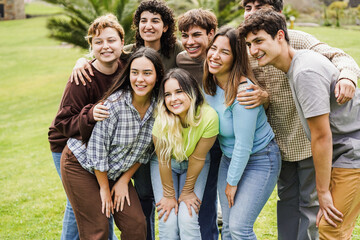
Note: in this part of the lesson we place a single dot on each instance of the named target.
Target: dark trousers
(298, 202)
(83, 192)
(143, 186)
(208, 211)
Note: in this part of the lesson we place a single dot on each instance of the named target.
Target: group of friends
(226, 113)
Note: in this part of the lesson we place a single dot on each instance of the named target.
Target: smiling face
(176, 100)
(107, 46)
(219, 57)
(263, 47)
(252, 7)
(196, 41)
(142, 76)
(151, 26)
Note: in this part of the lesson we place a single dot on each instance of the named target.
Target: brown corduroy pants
(83, 192)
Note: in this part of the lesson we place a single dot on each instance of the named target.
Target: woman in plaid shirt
(117, 147)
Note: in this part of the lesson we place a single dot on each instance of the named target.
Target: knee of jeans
(170, 227)
(241, 230)
(185, 220)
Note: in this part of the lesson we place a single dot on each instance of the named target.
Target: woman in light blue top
(250, 164)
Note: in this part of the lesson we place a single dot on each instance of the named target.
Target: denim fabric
(181, 226)
(69, 229)
(209, 206)
(253, 190)
(142, 182)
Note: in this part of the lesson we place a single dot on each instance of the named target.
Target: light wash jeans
(253, 190)
(69, 229)
(181, 226)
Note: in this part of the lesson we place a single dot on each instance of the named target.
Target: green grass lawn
(36, 8)
(34, 70)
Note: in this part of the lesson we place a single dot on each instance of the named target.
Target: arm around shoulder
(344, 63)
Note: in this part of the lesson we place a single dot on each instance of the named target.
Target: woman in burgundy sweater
(78, 111)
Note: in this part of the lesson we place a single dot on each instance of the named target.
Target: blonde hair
(102, 22)
(170, 142)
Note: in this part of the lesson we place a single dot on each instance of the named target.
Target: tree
(78, 14)
(289, 11)
(226, 10)
(336, 9)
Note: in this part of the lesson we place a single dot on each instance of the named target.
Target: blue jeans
(208, 211)
(253, 190)
(181, 226)
(69, 229)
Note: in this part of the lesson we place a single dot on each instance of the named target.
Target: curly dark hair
(276, 4)
(168, 38)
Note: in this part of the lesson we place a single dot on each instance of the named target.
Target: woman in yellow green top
(185, 129)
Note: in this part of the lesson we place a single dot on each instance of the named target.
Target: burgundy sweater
(75, 115)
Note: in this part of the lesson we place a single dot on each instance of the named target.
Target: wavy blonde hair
(170, 142)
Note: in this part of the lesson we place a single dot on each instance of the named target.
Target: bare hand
(230, 192)
(106, 202)
(79, 71)
(190, 200)
(121, 192)
(254, 98)
(100, 112)
(166, 205)
(344, 90)
(328, 210)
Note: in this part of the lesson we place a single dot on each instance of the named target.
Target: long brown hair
(122, 80)
(240, 66)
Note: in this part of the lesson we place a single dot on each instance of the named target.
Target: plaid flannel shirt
(282, 114)
(119, 141)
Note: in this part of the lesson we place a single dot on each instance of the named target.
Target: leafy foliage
(226, 11)
(336, 10)
(289, 11)
(78, 15)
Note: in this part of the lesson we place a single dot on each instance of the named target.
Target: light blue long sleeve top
(242, 132)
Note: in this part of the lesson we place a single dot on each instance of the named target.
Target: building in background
(12, 9)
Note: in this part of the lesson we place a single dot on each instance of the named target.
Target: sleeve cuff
(91, 116)
(232, 182)
(348, 74)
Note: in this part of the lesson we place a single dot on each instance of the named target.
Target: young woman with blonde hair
(185, 129)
